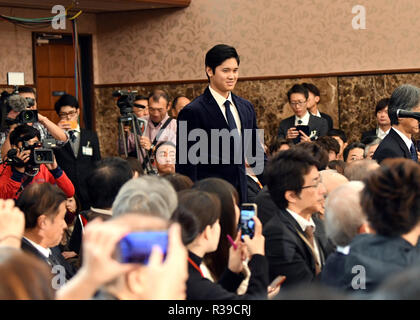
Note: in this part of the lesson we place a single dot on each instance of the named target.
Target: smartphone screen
(246, 223)
(137, 246)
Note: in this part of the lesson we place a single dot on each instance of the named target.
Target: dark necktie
(52, 260)
(299, 122)
(229, 116)
(72, 136)
(309, 233)
(413, 152)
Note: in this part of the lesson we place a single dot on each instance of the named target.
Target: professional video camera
(18, 104)
(40, 153)
(138, 126)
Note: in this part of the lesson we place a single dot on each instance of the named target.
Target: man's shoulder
(288, 120)
(317, 120)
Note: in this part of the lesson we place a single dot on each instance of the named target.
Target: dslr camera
(40, 153)
(19, 104)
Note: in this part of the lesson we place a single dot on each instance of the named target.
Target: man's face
(355, 154)
(224, 77)
(140, 112)
(383, 118)
(69, 113)
(312, 100)
(298, 104)
(165, 159)
(311, 197)
(371, 151)
(410, 125)
(30, 142)
(158, 110)
(29, 95)
(181, 103)
(55, 227)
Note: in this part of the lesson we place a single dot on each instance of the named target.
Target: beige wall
(16, 42)
(274, 38)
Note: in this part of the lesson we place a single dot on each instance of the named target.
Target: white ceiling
(97, 6)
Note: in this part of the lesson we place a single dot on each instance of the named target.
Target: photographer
(19, 169)
(45, 126)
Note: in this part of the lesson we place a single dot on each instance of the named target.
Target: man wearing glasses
(294, 244)
(303, 126)
(78, 156)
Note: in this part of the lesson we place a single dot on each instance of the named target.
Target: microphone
(17, 103)
(408, 114)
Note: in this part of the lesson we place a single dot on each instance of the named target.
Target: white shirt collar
(103, 211)
(305, 119)
(344, 250)
(44, 251)
(318, 114)
(382, 134)
(303, 223)
(219, 98)
(407, 141)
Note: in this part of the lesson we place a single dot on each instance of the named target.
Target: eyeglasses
(300, 103)
(65, 114)
(316, 185)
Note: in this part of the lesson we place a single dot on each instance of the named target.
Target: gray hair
(148, 195)
(373, 143)
(359, 169)
(343, 213)
(405, 97)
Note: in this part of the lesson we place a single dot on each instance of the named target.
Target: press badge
(87, 150)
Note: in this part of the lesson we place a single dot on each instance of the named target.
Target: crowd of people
(334, 218)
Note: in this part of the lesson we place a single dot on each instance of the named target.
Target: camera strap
(27, 181)
(153, 145)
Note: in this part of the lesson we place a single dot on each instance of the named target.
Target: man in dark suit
(293, 247)
(218, 113)
(313, 99)
(79, 154)
(398, 143)
(44, 207)
(384, 123)
(298, 100)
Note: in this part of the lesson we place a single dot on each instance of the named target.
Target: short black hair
(285, 171)
(26, 89)
(382, 104)
(312, 88)
(337, 133)
(317, 151)
(106, 180)
(329, 144)
(352, 146)
(23, 132)
(298, 88)
(66, 100)
(218, 54)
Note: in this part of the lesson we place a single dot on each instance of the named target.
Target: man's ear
(291, 196)
(317, 98)
(209, 71)
(134, 281)
(41, 222)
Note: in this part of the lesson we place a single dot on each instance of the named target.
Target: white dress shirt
(221, 103)
(381, 134)
(304, 119)
(407, 141)
(44, 251)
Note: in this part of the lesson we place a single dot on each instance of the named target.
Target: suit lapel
(240, 111)
(213, 109)
(401, 143)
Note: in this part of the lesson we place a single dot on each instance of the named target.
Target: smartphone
(246, 223)
(137, 246)
(304, 129)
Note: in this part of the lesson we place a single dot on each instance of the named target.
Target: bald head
(332, 179)
(359, 169)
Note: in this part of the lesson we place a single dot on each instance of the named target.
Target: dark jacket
(200, 288)
(204, 113)
(329, 120)
(253, 189)
(380, 257)
(315, 123)
(392, 146)
(287, 253)
(77, 169)
(57, 257)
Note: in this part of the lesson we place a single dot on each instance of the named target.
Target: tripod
(138, 129)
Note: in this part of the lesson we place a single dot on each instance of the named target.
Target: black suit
(56, 257)
(287, 252)
(317, 124)
(392, 146)
(329, 120)
(266, 206)
(78, 168)
(253, 189)
(204, 113)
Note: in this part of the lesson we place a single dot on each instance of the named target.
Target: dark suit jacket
(253, 189)
(329, 120)
(392, 146)
(204, 113)
(320, 125)
(77, 169)
(287, 253)
(55, 252)
(266, 206)
(332, 273)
